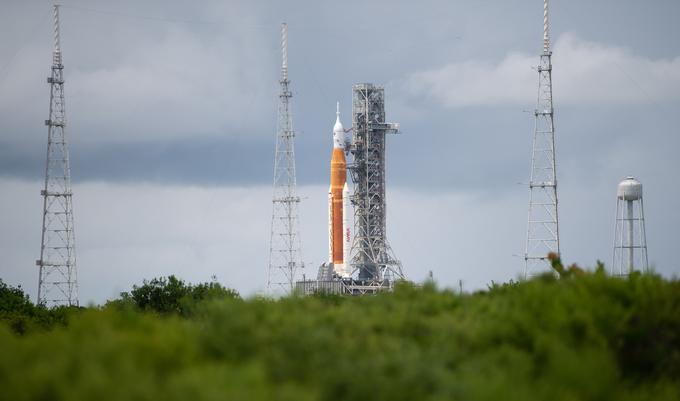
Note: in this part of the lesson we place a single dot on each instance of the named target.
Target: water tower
(630, 243)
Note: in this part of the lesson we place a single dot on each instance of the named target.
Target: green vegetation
(20, 315)
(586, 336)
(171, 295)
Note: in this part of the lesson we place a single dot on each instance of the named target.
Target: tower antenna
(542, 225)
(58, 284)
(285, 252)
(546, 32)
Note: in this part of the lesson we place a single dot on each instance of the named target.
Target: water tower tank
(629, 189)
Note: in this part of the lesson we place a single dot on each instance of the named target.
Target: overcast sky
(171, 109)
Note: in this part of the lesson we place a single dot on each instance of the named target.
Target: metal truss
(343, 287)
(372, 256)
(58, 284)
(542, 226)
(285, 252)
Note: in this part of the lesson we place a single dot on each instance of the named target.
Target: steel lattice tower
(58, 283)
(372, 255)
(542, 227)
(285, 252)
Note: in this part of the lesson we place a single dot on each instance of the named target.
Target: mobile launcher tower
(372, 263)
(372, 255)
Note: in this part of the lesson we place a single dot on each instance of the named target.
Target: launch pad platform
(328, 282)
(342, 287)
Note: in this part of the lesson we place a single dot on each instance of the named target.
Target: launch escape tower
(58, 284)
(630, 242)
(285, 252)
(542, 226)
(371, 254)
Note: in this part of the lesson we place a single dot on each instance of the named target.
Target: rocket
(338, 205)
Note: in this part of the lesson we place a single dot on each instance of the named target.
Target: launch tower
(371, 253)
(542, 226)
(57, 283)
(285, 252)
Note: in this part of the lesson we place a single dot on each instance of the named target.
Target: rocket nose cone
(338, 125)
(338, 131)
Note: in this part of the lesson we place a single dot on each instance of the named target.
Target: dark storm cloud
(208, 162)
(458, 149)
(431, 157)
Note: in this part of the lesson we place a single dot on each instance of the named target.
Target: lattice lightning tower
(285, 253)
(58, 284)
(372, 255)
(542, 227)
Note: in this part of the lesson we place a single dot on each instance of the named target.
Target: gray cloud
(158, 81)
(586, 73)
(172, 109)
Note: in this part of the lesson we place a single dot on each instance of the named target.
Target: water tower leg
(630, 236)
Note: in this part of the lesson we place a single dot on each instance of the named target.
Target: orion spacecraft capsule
(338, 205)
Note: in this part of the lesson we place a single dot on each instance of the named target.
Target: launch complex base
(328, 282)
(342, 287)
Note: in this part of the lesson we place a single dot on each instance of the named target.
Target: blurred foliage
(587, 337)
(171, 295)
(20, 315)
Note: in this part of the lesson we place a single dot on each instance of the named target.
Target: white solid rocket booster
(346, 231)
(330, 225)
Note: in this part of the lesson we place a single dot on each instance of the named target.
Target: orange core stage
(338, 180)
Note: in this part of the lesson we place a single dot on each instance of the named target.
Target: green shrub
(171, 295)
(584, 337)
(21, 316)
